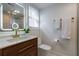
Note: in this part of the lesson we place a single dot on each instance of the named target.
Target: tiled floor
(49, 53)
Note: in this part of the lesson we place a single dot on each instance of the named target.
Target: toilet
(43, 46)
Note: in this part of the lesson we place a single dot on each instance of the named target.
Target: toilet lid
(45, 47)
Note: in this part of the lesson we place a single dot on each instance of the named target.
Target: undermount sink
(16, 38)
(12, 40)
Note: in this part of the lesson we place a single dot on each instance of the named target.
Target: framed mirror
(12, 13)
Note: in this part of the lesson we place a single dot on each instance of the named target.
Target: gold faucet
(16, 34)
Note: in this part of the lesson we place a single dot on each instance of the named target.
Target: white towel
(66, 28)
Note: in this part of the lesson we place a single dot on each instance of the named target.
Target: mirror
(15, 26)
(12, 13)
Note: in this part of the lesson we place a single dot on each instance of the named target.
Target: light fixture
(8, 12)
(16, 11)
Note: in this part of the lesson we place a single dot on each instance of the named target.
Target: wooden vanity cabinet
(27, 48)
(0, 51)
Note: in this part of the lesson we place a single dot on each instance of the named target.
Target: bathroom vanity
(15, 45)
(22, 46)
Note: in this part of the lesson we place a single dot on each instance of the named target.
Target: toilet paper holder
(56, 40)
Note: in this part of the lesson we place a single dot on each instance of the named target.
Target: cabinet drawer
(28, 52)
(13, 50)
(28, 43)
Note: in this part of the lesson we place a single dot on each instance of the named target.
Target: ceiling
(41, 5)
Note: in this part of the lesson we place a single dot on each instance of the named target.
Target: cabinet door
(0, 52)
(10, 51)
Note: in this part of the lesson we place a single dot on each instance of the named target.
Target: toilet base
(45, 47)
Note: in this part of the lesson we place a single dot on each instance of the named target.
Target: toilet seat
(45, 47)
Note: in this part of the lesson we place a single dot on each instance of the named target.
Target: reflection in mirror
(12, 13)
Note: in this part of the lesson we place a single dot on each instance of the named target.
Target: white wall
(48, 33)
(0, 16)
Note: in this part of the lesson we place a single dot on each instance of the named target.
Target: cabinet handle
(25, 48)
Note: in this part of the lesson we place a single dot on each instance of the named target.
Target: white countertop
(6, 41)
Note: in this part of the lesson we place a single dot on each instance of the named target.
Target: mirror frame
(2, 18)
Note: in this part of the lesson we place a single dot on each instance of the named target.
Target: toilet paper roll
(66, 37)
